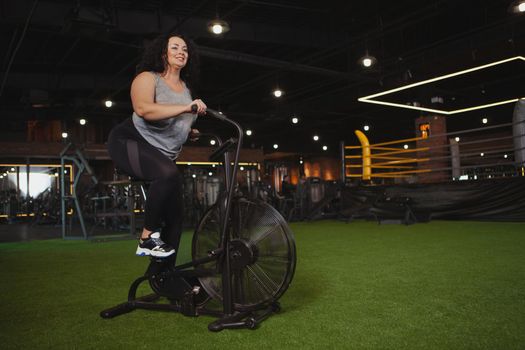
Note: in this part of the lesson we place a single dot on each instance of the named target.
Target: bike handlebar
(211, 112)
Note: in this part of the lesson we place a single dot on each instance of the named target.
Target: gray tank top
(167, 135)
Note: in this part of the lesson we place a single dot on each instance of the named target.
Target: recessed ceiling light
(248, 132)
(277, 92)
(366, 127)
(108, 103)
(295, 120)
(517, 6)
(275, 146)
(316, 138)
(367, 61)
(218, 26)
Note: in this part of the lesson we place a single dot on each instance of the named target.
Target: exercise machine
(243, 258)
(78, 159)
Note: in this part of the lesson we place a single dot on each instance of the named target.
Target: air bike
(243, 258)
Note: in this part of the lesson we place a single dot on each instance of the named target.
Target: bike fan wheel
(262, 253)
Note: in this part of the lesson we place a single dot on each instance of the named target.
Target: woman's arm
(143, 100)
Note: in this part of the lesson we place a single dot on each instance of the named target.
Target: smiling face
(177, 52)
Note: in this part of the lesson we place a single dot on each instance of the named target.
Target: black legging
(139, 159)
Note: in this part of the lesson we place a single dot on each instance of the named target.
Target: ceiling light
(194, 176)
(505, 156)
(366, 128)
(248, 132)
(210, 173)
(64, 135)
(108, 103)
(316, 138)
(325, 148)
(517, 6)
(371, 98)
(212, 142)
(457, 139)
(295, 120)
(218, 26)
(241, 168)
(482, 154)
(367, 61)
(275, 146)
(484, 120)
(82, 121)
(405, 146)
(277, 92)
(12, 169)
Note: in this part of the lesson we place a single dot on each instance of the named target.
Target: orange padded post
(367, 160)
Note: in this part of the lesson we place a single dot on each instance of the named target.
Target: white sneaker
(154, 246)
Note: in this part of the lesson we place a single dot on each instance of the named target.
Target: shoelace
(159, 242)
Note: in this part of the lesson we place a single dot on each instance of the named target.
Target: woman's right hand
(201, 106)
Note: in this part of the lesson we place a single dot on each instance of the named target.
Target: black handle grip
(216, 114)
(194, 108)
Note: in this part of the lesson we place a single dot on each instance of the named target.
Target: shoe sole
(146, 252)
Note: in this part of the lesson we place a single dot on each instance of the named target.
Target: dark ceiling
(61, 59)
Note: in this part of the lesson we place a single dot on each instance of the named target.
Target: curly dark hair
(154, 58)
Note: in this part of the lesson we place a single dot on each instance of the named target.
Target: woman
(146, 145)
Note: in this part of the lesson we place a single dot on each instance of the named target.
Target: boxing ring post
(367, 161)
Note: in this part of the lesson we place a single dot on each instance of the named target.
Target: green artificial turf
(441, 285)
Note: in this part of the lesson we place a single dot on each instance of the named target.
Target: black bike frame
(230, 174)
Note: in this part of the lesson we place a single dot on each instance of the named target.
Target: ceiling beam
(141, 22)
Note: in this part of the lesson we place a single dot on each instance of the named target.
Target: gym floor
(440, 285)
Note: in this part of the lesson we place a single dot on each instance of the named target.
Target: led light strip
(369, 98)
(216, 163)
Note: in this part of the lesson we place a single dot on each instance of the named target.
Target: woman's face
(177, 52)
